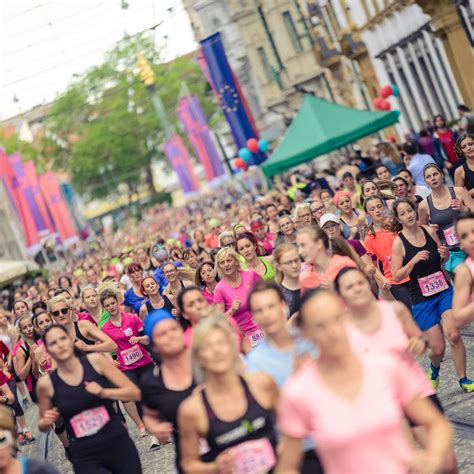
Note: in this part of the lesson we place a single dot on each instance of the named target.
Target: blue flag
(230, 96)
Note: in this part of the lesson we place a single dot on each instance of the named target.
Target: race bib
(89, 422)
(128, 332)
(132, 355)
(253, 457)
(256, 337)
(432, 284)
(450, 236)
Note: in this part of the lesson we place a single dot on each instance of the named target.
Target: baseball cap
(325, 218)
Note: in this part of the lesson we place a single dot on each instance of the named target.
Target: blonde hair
(299, 208)
(224, 253)
(278, 253)
(212, 322)
(110, 286)
(58, 299)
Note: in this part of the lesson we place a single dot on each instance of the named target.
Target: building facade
(422, 47)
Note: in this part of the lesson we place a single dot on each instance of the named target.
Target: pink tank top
(469, 262)
(392, 339)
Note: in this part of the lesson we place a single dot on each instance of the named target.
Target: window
(294, 36)
(265, 63)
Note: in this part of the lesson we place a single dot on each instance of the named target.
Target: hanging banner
(192, 117)
(57, 208)
(20, 203)
(232, 100)
(180, 162)
(32, 179)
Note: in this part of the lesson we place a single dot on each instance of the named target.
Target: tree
(104, 128)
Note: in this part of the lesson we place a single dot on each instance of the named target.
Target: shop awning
(12, 269)
(320, 127)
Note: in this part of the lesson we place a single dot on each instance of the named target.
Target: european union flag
(230, 96)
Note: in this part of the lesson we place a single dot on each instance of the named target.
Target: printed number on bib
(432, 284)
(450, 236)
(128, 332)
(256, 337)
(132, 355)
(253, 457)
(89, 422)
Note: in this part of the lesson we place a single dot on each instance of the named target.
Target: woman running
(402, 189)
(155, 301)
(175, 281)
(277, 354)
(463, 299)
(324, 258)
(79, 391)
(206, 279)
(379, 242)
(94, 312)
(231, 295)
(288, 267)
(441, 208)
(417, 253)
(86, 336)
(167, 385)
(247, 246)
(126, 330)
(350, 218)
(232, 413)
(133, 297)
(24, 363)
(374, 393)
(287, 230)
(464, 175)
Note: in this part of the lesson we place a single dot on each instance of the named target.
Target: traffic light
(146, 72)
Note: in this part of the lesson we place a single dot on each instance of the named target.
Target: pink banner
(14, 189)
(57, 208)
(32, 178)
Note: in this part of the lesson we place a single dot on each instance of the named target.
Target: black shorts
(135, 375)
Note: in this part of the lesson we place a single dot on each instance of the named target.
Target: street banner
(57, 208)
(25, 193)
(180, 162)
(192, 117)
(20, 204)
(232, 100)
(32, 178)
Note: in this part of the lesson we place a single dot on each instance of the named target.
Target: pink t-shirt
(85, 316)
(225, 294)
(392, 339)
(363, 435)
(208, 296)
(309, 279)
(130, 356)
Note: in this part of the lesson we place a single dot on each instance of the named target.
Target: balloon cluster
(380, 102)
(245, 154)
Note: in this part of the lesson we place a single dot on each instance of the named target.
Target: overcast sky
(44, 43)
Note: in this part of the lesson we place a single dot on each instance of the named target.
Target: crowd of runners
(301, 329)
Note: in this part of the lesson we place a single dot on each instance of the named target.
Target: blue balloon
(395, 90)
(245, 154)
(263, 145)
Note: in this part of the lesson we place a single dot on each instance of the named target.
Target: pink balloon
(252, 145)
(377, 102)
(385, 105)
(386, 91)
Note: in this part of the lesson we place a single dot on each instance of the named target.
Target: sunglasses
(59, 312)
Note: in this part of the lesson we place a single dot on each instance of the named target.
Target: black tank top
(256, 423)
(423, 268)
(81, 337)
(168, 305)
(72, 400)
(156, 396)
(468, 177)
(444, 218)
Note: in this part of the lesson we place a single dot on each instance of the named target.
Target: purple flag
(192, 117)
(180, 162)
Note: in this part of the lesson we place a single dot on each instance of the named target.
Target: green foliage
(104, 127)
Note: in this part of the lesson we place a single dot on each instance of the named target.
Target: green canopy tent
(320, 127)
